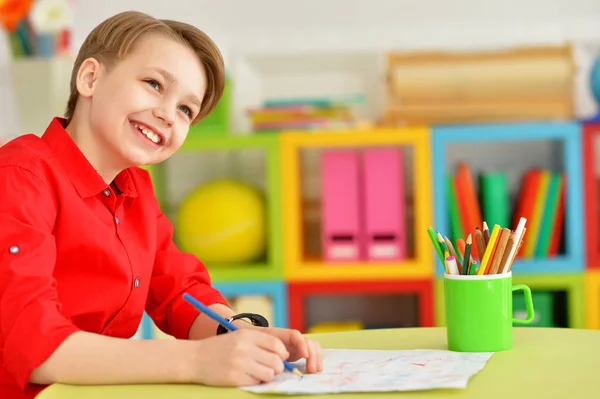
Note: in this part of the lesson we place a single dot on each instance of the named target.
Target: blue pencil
(204, 309)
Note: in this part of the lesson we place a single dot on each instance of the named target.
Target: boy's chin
(139, 159)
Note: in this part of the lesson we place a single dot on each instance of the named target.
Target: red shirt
(78, 254)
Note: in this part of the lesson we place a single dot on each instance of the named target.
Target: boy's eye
(186, 110)
(153, 83)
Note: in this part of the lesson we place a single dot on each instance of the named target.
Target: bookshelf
(349, 300)
(272, 293)
(561, 285)
(514, 148)
(592, 299)
(252, 159)
(305, 264)
(261, 76)
(318, 291)
(591, 170)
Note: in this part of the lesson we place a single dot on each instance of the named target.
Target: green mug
(479, 313)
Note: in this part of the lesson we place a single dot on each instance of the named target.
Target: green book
(456, 230)
(548, 216)
(493, 187)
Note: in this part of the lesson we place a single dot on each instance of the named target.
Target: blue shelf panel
(559, 264)
(277, 291)
(569, 133)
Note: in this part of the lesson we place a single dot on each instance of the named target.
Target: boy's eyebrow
(167, 75)
(172, 79)
(196, 101)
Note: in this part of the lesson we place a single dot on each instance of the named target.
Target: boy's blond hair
(114, 38)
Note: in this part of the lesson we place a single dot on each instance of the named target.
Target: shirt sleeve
(175, 273)
(31, 323)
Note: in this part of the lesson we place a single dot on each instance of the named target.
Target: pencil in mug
(520, 233)
(204, 309)
(489, 251)
(459, 262)
(512, 241)
(495, 262)
(462, 246)
(436, 244)
(451, 265)
(443, 245)
(479, 242)
(510, 265)
(473, 269)
(486, 233)
(468, 254)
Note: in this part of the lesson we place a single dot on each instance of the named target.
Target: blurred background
(346, 130)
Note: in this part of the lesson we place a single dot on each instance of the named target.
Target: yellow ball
(223, 221)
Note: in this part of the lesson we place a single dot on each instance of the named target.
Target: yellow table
(544, 363)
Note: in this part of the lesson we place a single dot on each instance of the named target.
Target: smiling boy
(84, 246)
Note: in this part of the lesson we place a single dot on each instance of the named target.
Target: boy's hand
(244, 357)
(299, 347)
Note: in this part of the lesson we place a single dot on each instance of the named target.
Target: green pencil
(473, 268)
(436, 244)
(468, 244)
(443, 245)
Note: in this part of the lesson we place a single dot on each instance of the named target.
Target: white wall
(243, 28)
(359, 24)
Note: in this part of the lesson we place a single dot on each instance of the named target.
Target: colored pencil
(452, 266)
(436, 244)
(495, 267)
(207, 311)
(442, 242)
(459, 262)
(473, 268)
(486, 234)
(520, 233)
(512, 240)
(479, 241)
(467, 256)
(510, 265)
(461, 248)
(489, 251)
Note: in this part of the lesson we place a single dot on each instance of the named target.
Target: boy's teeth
(148, 133)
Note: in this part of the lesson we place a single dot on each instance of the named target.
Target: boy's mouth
(148, 132)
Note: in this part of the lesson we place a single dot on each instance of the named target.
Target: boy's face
(143, 107)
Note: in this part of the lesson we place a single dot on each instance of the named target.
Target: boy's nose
(164, 114)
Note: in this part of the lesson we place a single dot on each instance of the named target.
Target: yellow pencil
(489, 250)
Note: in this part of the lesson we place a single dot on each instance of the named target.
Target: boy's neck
(86, 141)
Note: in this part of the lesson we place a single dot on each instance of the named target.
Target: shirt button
(14, 250)
(106, 192)
(136, 283)
(117, 221)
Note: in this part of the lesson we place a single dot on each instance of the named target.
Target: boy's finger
(319, 357)
(273, 344)
(312, 360)
(298, 342)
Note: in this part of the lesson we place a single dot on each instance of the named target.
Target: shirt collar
(82, 174)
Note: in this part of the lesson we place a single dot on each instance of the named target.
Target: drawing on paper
(351, 370)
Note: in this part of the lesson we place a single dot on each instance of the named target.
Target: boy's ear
(87, 77)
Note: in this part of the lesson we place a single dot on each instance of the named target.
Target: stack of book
(304, 114)
(540, 200)
(480, 86)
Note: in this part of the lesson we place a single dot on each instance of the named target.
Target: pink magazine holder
(384, 202)
(341, 212)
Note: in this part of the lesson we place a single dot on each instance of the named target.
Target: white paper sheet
(351, 370)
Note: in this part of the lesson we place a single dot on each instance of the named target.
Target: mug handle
(528, 304)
